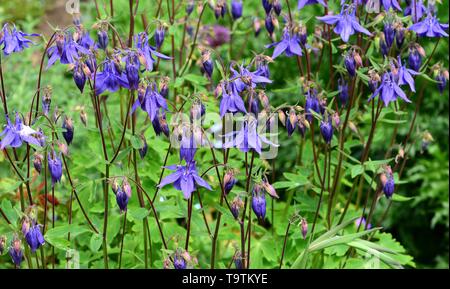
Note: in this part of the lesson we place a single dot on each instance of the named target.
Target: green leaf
(136, 142)
(138, 213)
(196, 79)
(356, 170)
(95, 242)
(400, 198)
(58, 236)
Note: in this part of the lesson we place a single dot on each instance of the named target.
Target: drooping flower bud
(267, 4)
(63, 148)
(37, 162)
(414, 58)
(257, 26)
(114, 185)
(269, 188)
(160, 124)
(326, 129)
(123, 195)
(343, 91)
(54, 166)
(236, 205)
(387, 180)
(254, 105)
(236, 9)
(159, 36)
(237, 259)
(189, 7)
(389, 34)
(164, 86)
(291, 122)
(2, 244)
(277, 7)
(220, 9)
(47, 100)
(399, 35)
(207, 63)
(15, 251)
(69, 129)
(144, 148)
(229, 181)
(282, 117)
(350, 64)
(259, 202)
(132, 71)
(79, 76)
(270, 23)
(83, 117)
(102, 36)
(60, 40)
(304, 228)
(384, 46)
(442, 78)
(302, 124)
(374, 80)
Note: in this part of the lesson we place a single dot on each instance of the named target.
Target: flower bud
(60, 40)
(63, 148)
(83, 117)
(259, 202)
(37, 162)
(2, 244)
(47, 100)
(326, 129)
(343, 91)
(229, 181)
(102, 36)
(69, 129)
(350, 64)
(269, 188)
(389, 34)
(144, 148)
(132, 71)
(33, 235)
(291, 122)
(159, 36)
(208, 65)
(16, 251)
(336, 119)
(270, 23)
(178, 261)
(54, 166)
(277, 7)
(257, 26)
(189, 7)
(236, 9)
(267, 4)
(304, 228)
(414, 58)
(237, 258)
(164, 86)
(236, 205)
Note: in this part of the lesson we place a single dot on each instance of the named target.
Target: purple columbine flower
(326, 129)
(291, 122)
(236, 9)
(290, 45)
(14, 40)
(85, 40)
(416, 9)
(33, 235)
(229, 181)
(303, 3)
(110, 78)
(54, 166)
(389, 90)
(147, 51)
(185, 179)
(123, 195)
(400, 36)
(132, 69)
(259, 202)
(66, 50)
(189, 7)
(188, 146)
(350, 64)
(247, 137)
(346, 23)
(15, 251)
(269, 23)
(143, 150)
(179, 262)
(207, 63)
(160, 124)
(405, 75)
(231, 101)
(430, 27)
(15, 134)
(150, 101)
(387, 4)
(441, 78)
(79, 76)
(244, 78)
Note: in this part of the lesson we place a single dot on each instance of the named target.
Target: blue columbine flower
(389, 90)
(247, 137)
(147, 50)
(54, 166)
(387, 4)
(15, 134)
(259, 202)
(132, 69)
(414, 58)
(160, 33)
(185, 179)
(150, 101)
(312, 104)
(244, 78)
(66, 50)
(346, 23)
(102, 37)
(405, 75)
(416, 9)
(229, 181)
(178, 261)
(388, 185)
(290, 45)
(303, 3)
(236, 9)
(14, 40)
(123, 195)
(389, 33)
(33, 235)
(231, 101)
(430, 27)
(110, 78)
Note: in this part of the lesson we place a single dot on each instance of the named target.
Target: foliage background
(421, 224)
